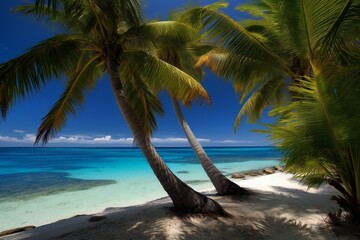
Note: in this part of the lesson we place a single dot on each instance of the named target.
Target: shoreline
(134, 186)
(55, 207)
(303, 209)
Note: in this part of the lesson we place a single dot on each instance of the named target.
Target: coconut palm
(280, 56)
(184, 58)
(107, 36)
(283, 42)
(320, 135)
(222, 184)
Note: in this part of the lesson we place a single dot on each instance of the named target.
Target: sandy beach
(280, 208)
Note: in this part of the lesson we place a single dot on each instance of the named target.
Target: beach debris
(16, 230)
(279, 168)
(269, 171)
(97, 218)
(254, 173)
(238, 175)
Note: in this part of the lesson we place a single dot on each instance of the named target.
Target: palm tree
(184, 57)
(283, 42)
(222, 184)
(279, 57)
(320, 135)
(107, 36)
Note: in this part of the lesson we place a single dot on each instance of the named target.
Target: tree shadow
(289, 214)
(167, 225)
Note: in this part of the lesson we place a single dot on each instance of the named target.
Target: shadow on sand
(262, 215)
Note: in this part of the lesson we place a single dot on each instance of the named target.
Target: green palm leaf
(162, 34)
(268, 93)
(27, 73)
(142, 98)
(47, 5)
(163, 76)
(129, 10)
(319, 135)
(342, 34)
(83, 79)
(234, 38)
(240, 69)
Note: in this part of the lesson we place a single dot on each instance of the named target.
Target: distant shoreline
(270, 146)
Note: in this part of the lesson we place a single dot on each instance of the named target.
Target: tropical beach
(43, 185)
(134, 207)
(153, 120)
(280, 208)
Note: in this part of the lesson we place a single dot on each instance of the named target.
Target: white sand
(281, 208)
(134, 185)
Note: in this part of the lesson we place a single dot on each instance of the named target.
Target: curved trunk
(184, 198)
(222, 185)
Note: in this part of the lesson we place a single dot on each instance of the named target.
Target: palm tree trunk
(184, 197)
(222, 185)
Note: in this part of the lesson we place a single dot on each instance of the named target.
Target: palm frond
(319, 28)
(319, 135)
(341, 33)
(162, 34)
(47, 6)
(142, 98)
(129, 11)
(83, 78)
(70, 20)
(238, 68)
(183, 58)
(268, 93)
(234, 38)
(163, 76)
(21, 76)
(256, 8)
(187, 62)
(31, 9)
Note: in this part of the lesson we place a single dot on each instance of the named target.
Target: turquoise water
(41, 185)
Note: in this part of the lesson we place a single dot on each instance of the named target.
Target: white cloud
(84, 136)
(109, 139)
(232, 141)
(9, 139)
(19, 131)
(91, 140)
(29, 139)
(176, 140)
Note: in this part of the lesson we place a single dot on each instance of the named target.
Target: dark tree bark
(222, 185)
(184, 197)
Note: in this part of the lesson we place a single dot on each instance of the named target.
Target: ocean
(43, 185)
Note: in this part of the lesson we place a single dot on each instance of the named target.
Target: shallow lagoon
(42, 185)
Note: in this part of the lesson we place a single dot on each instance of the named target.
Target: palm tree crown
(108, 36)
(302, 56)
(283, 42)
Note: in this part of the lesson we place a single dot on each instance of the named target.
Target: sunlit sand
(279, 208)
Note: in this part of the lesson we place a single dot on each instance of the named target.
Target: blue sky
(99, 122)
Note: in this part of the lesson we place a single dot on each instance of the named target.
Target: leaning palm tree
(266, 54)
(222, 184)
(320, 135)
(107, 36)
(184, 58)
